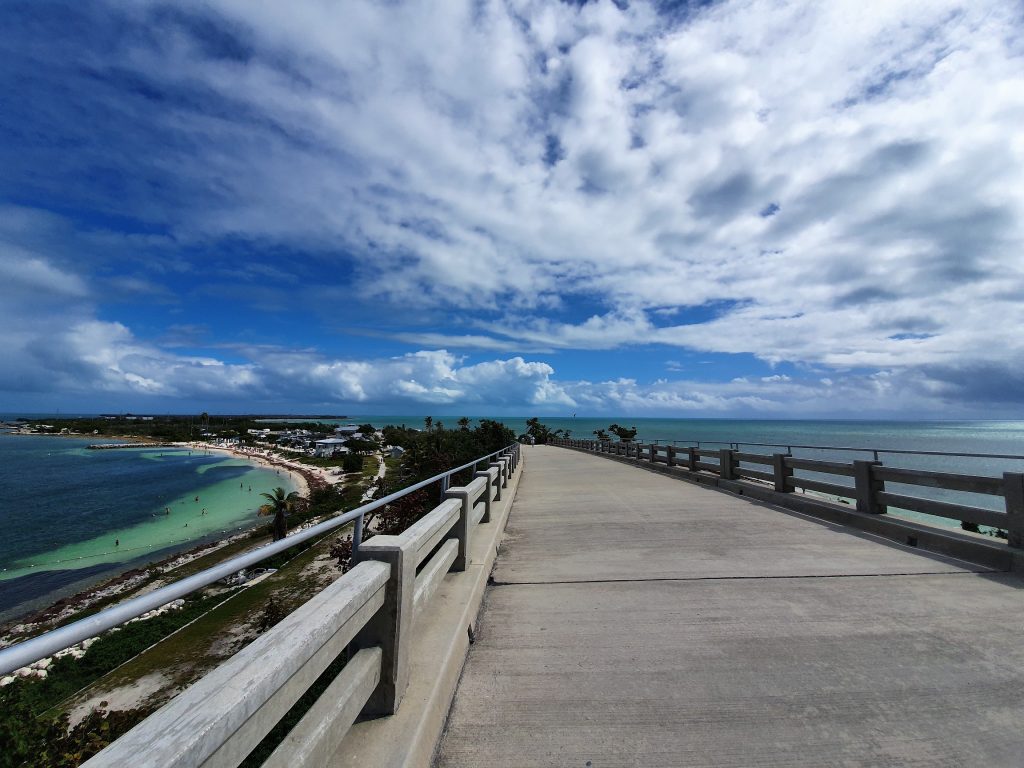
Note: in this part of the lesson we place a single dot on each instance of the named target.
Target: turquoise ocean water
(63, 507)
(71, 516)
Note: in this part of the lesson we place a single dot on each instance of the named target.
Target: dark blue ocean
(72, 515)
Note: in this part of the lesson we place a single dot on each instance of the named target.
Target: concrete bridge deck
(636, 620)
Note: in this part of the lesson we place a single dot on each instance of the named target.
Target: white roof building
(332, 446)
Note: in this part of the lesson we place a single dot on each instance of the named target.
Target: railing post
(725, 464)
(670, 455)
(487, 494)
(866, 487)
(782, 472)
(462, 530)
(391, 625)
(1013, 492)
(691, 459)
(497, 481)
(445, 481)
(651, 448)
(357, 534)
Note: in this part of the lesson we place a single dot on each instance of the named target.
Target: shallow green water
(69, 513)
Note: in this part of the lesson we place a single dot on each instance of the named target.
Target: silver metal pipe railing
(29, 651)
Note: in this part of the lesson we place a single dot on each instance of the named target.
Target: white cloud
(843, 185)
(887, 142)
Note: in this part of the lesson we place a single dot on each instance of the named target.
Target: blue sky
(738, 208)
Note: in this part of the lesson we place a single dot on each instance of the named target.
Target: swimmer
(117, 542)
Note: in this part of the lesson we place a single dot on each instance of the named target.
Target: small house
(332, 446)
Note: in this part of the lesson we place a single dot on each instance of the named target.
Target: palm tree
(428, 423)
(464, 424)
(279, 505)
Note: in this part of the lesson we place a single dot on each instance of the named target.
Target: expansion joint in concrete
(494, 583)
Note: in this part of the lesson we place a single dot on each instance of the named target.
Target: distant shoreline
(123, 576)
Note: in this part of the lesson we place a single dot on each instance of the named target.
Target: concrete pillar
(463, 528)
(691, 459)
(497, 481)
(725, 464)
(1013, 490)
(866, 487)
(390, 627)
(670, 451)
(781, 472)
(489, 479)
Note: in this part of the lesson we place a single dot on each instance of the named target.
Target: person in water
(117, 542)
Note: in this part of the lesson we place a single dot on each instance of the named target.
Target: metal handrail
(29, 651)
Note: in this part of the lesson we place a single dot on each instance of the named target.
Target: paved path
(637, 620)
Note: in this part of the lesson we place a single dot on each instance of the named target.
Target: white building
(332, 446)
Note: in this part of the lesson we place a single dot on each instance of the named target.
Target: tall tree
(541, 433)
(279, 504)
(624, 434)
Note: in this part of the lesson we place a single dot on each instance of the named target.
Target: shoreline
(304, 479)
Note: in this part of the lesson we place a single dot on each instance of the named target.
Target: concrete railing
(370, 613)
(867, 483)
(29, 651)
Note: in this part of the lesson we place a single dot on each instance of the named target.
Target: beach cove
(74, 516)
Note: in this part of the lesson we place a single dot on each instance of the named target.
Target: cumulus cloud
(843, 187)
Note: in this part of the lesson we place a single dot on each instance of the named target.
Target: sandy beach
(303, 477)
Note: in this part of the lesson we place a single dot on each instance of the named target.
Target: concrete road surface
(637, 620)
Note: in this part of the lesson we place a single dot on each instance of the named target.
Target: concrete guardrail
(864, 482)
(371, 611)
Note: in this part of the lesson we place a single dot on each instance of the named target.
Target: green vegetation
(30, 728)
(436, 449)
(279, 504)
(176, 428)
(624, 434)
(182, 645)
(541, 433)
